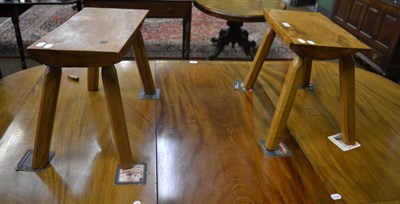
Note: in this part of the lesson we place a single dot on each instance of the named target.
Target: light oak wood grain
(47, 111)
(347, 99)
(285, 102)
(93, 78)
(117, 116)
(259, 59)
(89, 39)
(299, 30)
(329, 40)
(368, 174)
(94, 37)
(83, 169)
(143, 64)
(305, 82)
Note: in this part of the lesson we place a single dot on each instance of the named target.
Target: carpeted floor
(163, 37)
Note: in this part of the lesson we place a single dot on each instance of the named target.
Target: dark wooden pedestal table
(311, 36)
(236, 12)
(91, 38)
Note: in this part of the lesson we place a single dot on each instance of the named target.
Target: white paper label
(301, 40)
(336, 196)
(41, 44)
(287, 25)
(48, 45)
(310, 42)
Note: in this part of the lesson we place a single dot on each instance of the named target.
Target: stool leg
(143, 64)
(47, 110)
(347, 99)
(307, 73)
(259, 59)
(93, 78)
(285, 102)
(117, 116)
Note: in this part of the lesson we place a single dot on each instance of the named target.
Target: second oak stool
(94, 37)
(311, 36)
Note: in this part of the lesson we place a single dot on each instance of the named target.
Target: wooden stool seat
(311, 36)
(94, 37)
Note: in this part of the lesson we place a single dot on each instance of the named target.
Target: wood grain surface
(93, 78)
(94, 37)
(259, 59)
(143, 64)
(367, 174)
(47, 111)
(238, 10)
(298, 28)
(207, 141)
(285, 103)
(200, 139)
(117, 116)
(84, 166)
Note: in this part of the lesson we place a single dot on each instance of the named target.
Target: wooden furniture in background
(302, 2)
(15, 8)
(311, 36)
(157, 9)
(236, 12)
(376, 23)
(91, 38)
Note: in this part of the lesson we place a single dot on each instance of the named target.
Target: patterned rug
(162, 37)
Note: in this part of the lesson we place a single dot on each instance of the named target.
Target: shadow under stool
(311, 36)
(94, 37)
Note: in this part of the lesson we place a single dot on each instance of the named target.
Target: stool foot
(25, 164)
(337, 140)
(47, 110)
(117, 116)
(144, 96)
(258, 61)
(281, 151)
(285, 102)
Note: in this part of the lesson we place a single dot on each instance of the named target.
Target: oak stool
(311, 36)
(94, 37)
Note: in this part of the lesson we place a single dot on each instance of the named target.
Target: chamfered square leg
(305, 83)
(347, 99)
(259, 59)
(47, 110)
(143, 65)
(285, 102)
(93, 78)
(117, 116)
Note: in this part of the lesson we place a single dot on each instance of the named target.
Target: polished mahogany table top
(200, 139)
(238, 10)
